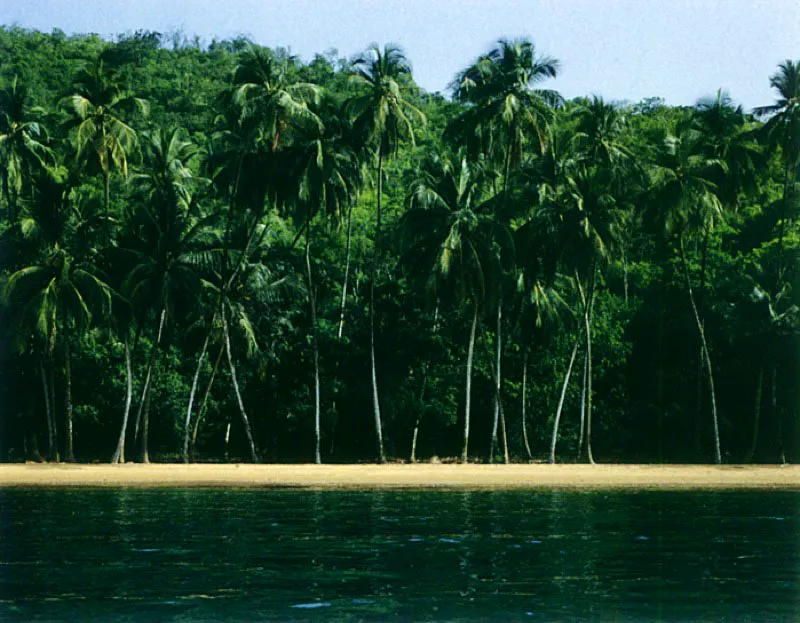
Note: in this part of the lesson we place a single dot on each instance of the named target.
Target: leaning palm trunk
(554, 439)
(524, 403)
(68, 400)
(420, 411)
(706, 353)
(206, 395)
(587, 319)
(119, 453)
(583, 402)
(468, 395)
(245, 421)
(376, 406)
(188, 422)
(312, 302)
(497, 380)
(143, 414)
(340, 330)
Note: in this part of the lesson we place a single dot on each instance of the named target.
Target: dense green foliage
(225, 252)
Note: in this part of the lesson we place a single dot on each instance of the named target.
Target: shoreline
(400, 476)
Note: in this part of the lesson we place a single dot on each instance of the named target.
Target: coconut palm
(57, 297)
(382, 119)
(452, 243)
(687, 205)
(783, 130)
(322, 180)
(22, 143)
(170, 244)
(104, 142)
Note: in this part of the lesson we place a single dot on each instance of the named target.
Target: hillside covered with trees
(221, 252)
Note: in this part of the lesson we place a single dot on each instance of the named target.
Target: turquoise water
(295, 555)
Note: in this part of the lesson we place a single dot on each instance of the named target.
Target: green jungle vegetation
(220, 252)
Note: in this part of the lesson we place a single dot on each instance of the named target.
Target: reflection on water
(209, 555)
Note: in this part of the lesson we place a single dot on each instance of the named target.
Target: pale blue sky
(621, 49)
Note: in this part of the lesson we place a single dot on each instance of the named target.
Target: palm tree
(59, 295)
(22, 143)
(688, 205)
(323, 179)
(783, 130)
(450, 239)
(504, 115)
(383, 118)
(171, 245)
(104, 141)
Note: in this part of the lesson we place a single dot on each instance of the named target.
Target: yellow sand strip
(406, 476)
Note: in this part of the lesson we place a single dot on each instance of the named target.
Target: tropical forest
(220, 251)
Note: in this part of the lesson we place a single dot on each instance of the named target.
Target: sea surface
(300, 555)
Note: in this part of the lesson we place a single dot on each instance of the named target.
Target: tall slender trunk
(376, 407)
(68, 400)
(707, 355)
(188, 422)
(245, 421)
(312, 302)
(748, 457)
(143, 415)
(586, 398)
(468, 394)
(119, 453)
(497, 380)
(525, 402)
(554, 439)
(206, 395)
(420, 411)
(583, 402)
(51, 389)
(340, 330)
(107, 204)
(495, 377)
(51, 441)
(776, 414)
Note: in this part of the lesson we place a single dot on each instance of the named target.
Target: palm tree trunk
(587, 317)
(583, 402)
(206, 395)
(188, 421)
(232, 368)
(68, 400)
(707, 355)
(143, 414)
(497, 380)
(119, 453)
(524, 403)
(51, 390)
(107, 204)
(340, 330)
(51, 443)
(376, 407)
(554, 439)
(468, 396)
(312, 302)
(756, 414)
(420, 411)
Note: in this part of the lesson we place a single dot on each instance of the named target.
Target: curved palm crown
(322, 171)
(95, 108)
(171, 245)
(685, 195)
(506, 111)
(449, 237)
(598, 132)
(266, 91)
(382, 114)
(21, 141)
(784, 125)
(729, 137)
(63, 287)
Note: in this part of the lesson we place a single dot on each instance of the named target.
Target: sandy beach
(395, 476)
